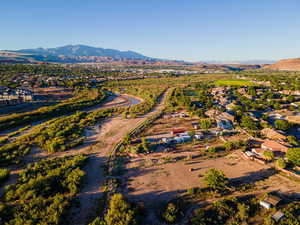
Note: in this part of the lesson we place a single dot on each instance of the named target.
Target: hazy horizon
(199, 31)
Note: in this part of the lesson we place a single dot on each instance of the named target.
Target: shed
(273, 200)
(265, 204)
(277, 216)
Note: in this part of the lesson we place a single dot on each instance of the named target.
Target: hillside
(71, 54)
(286, 64)
(83, 50)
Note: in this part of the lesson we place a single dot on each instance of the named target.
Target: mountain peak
(83, 50)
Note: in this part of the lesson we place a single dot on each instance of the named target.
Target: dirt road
(109, 134)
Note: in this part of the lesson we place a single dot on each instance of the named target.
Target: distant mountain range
(83, 50)
(88, 54)
(71, 54)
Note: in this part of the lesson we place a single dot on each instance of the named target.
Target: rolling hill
(286, 64)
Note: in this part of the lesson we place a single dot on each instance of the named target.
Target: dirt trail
(109, 134)
(100, 141)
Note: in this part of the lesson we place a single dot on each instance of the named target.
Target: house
(226, 116)
(218, 91)
(212, 113)
(223, 101)
(274, 146)
(276, 116)
(272, 134)
(258, 151)
(293, 119)
(224, 124)
(199, 136)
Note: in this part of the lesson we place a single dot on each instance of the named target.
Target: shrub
(282, 125)
(120, 212)
(268, 155)
(249, 123)
(170, 214)
(229, 146)
(293, 156)
(206, 124)
(281, 163)
(292, 140)
(4, 174)
(215, 179)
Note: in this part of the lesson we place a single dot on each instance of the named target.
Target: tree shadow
(253, 177)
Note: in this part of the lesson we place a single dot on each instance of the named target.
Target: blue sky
(192, 29)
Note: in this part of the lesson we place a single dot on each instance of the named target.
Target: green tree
(229, 146)
(120, 212)
(282, 125)
(170, 215)
(205, 124)
(268, 155)
(293, 156)
(216, 179)
(281, 163)
(292, 140)
(243, 211)
(290, 98)
(145, 145)
(248, 123)
(98, 221)
(4, 173)
(126, 139)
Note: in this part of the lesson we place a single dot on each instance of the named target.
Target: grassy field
(234, 83)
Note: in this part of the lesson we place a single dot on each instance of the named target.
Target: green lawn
(234, 83)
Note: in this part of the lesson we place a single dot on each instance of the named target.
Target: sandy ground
(154, 183)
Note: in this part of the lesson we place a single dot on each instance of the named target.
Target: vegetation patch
(43, 192)
(234, 82)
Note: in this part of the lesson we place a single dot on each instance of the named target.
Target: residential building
(278, 148)
(273, 134)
